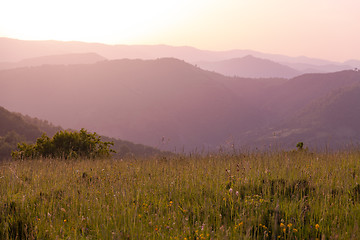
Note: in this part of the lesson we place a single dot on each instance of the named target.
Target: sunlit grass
(243, 196)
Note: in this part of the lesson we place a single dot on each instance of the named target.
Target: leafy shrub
(65, 145)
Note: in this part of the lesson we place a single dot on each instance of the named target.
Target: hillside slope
(322, 110)
(296, 93)
(16, 128)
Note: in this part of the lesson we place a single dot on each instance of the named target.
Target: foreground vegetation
(275, 195)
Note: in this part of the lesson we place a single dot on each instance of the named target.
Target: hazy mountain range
(175, 105)
(229, 62)
(250, 66)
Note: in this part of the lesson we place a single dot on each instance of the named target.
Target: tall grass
(273, 195)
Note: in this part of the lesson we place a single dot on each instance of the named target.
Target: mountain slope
(296, 93)
(14, 129)
(324, 113)
(335, 116)
(250, 66)
(141, 101)
(13, 122)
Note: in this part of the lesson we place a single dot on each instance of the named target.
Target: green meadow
(267, 195)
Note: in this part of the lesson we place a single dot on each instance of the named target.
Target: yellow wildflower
(317, 226)
(289, 225)
(282, 225)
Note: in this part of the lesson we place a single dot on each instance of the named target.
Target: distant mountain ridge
(63, 59)
(250, 67)
(16, 50)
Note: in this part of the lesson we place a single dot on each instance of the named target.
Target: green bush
(65, 145)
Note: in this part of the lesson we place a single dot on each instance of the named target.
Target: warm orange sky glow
(322, 28)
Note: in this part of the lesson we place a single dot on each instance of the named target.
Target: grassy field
(274, 195)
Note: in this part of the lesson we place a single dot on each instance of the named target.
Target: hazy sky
(315, 28)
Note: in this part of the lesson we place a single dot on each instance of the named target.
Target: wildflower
(230, 190)
(282, 225)
(317, 226)
(64, 220)
(284, 229)
(237, 193)
(289, 225)
(295, 230)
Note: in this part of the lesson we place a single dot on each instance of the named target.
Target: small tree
(65, 145)
(300, 146)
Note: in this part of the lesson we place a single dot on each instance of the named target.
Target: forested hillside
(14, 128)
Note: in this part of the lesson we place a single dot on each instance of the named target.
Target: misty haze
(179, 119)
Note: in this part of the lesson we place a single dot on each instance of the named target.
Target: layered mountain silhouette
(13, 50)
(174, 105)
(250, 67)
